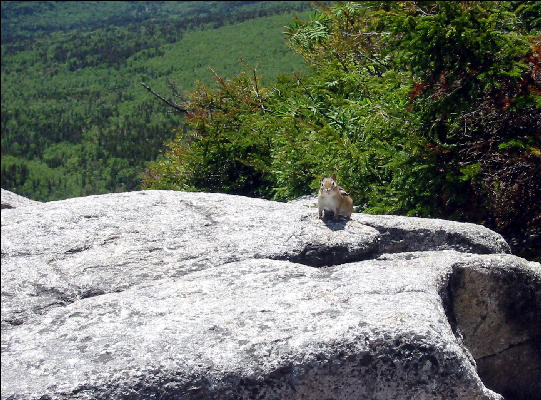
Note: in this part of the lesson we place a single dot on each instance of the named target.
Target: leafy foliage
(421, 108)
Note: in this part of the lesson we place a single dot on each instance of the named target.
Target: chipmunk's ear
(322, 177)
(333, 177)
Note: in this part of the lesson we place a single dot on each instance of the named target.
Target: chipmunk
(333, 198)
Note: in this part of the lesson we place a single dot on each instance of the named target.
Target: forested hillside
(75, 119)
(428, 109)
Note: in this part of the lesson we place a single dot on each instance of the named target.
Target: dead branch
(170, 103)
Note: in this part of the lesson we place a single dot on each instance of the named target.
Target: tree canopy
(76, 120)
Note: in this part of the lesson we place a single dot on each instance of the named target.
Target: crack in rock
(496, 312)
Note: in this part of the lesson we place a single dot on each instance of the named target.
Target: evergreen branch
(326, 115)
(256, 87)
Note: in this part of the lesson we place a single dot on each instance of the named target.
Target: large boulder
(173, 295)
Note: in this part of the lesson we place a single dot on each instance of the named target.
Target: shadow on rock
(337, 225)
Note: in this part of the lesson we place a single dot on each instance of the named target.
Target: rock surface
(170, 295)
(12, 200)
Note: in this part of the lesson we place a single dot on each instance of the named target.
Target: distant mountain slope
(75, 119)
(22, 19)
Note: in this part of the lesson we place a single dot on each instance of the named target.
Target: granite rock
(173, 295)
(13, 200)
